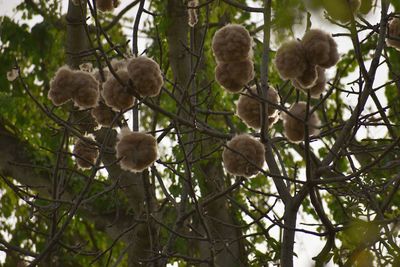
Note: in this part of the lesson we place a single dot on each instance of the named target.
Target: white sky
(307, 246)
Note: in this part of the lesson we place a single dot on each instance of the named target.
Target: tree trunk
(287, 249)
(225, 234)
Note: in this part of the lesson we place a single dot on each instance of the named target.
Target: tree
(186, 208)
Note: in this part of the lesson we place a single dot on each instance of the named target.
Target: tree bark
(287, 249)
(77, 39)
(218, 216)
(225, 234)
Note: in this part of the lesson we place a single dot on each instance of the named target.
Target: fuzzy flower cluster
(232, 50)
(320, 48)
(393, 38)
(103, 115)
(304, 62)
(146, 76)
(115, 91)
(319, 86)
(294, 124)
(143, 72)
(85, 154)
(136, 151)
(77, 85)
(243, 155)
(102, 91)
(249, 108)
(105, 92)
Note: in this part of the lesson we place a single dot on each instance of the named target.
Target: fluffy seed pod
(394, 32)
(115, 94)
(86, 94)
(273, 119)
(243, 156)
(61, 86)
(79, 85)
(106, 5)
(137, 151)
(320, 48)
(99, 78)
(290, 60)
(103, 114)
(308, 78)
(232, 43)
(319, 86)
(192, 13)
(85, 154)
(249, 107)
(294, 127)
(146, 76)
(233, 76)
(119, 64)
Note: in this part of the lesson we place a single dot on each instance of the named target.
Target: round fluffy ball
(103, 114)
(137, 151)
(85, 154)
(61, 86)
(320, 48)
(232, 43)
(233, 76)
(146, 76)
(249, 107)
(294, 127)
(243, 156)
(86, 94)
(115, 95)
(309, 77)
(290, 60)
(394, 31)
(319, 86)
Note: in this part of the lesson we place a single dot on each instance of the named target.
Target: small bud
(12, 75)
(192, 12)
(87, 67)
